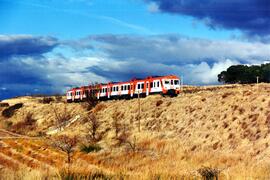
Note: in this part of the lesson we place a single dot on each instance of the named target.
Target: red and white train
(165, 85)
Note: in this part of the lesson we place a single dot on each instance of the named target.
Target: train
(164, 85)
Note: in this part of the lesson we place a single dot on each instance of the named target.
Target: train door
(147, 88)
(131, 89)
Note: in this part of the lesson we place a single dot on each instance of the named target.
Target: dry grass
(221, 129)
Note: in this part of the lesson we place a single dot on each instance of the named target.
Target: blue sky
(79, 18)
(48, 46)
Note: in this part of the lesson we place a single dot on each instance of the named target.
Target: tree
(93, 125)
(244, 74)
(116, 123)
(222, 77)
(67, 145)
(265, 72)
(61, 117)
(91, 96)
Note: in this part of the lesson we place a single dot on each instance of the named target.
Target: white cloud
(175, 49)
(104, 58)
(203, 73)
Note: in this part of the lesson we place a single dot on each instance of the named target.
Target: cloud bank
(249, 16)
(41, 67)
(25, 45)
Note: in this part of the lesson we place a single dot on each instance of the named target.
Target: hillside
(225, 128)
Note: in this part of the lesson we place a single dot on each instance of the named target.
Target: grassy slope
(225, 128)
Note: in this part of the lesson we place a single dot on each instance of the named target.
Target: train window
(139, 86)
(151, 84)
(167, 82)
(128, 87)
(176, 82)
(117, 88)
(171, 82)
(142, 85)
(125, 87)
(158, 84)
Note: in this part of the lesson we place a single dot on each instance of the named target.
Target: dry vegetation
(205, 132)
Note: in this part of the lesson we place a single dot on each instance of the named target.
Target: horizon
(47, 47)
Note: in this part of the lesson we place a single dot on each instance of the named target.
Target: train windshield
(176, 82)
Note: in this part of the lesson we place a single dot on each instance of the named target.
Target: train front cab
(171, 86)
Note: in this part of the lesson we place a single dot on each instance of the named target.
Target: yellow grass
(225, 128)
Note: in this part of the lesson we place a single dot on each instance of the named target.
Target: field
(204, 132)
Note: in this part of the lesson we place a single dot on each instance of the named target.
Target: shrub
(91, 101)
(117, 116)
(241, 110)
(226, 94)
(64, 174)
(7, 124)
(4, 104)
(159, 102)
(58, 98)
(9, 112)
(99, 107)
(67, 145)
(225, 125)
(93, 125)
(90, 148)
(61, 117)
(46, 100)
(27, 124)
(209, 173)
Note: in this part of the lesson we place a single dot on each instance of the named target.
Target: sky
(49, 46)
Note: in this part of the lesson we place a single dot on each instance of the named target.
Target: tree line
(244, 74)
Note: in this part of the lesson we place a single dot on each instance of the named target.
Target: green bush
(90, 148)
